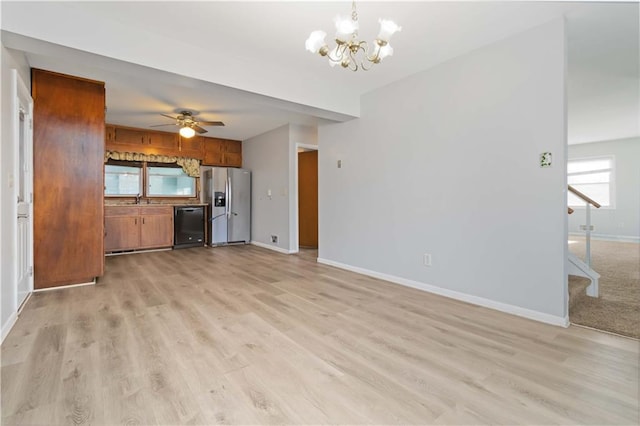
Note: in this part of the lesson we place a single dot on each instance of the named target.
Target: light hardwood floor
(243, 335)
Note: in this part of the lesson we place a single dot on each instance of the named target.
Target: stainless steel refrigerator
(228, 192)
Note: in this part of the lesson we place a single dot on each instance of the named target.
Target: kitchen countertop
(143, 204)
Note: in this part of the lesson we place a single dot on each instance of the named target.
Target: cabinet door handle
(135, 221)
(143, 220)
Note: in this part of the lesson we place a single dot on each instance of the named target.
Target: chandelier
(350, 52)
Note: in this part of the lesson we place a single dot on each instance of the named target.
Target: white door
(23, 144)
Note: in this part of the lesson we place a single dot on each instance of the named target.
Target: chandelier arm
(365, 68)
(375, 57)
(340, 52)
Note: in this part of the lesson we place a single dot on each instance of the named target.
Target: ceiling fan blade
(198, 129)
(160, 125)
(168, 116)
(211, 123)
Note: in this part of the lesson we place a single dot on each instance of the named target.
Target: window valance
(191, 166)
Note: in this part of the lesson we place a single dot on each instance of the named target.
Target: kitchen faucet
(138, 198)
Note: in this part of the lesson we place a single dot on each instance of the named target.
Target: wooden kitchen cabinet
(192, 147)
(68, 178)
(161, 143)
(127, 139)
(211, 151)
(121, 233)
(138, 227)
(156, 227)
(126, 136)
(232, 153)
(221, 152)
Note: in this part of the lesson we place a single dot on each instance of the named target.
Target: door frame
(20, 96)
(294, 230)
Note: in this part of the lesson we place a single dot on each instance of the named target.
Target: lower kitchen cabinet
(156, 230)
(121, 233)
(137, 227)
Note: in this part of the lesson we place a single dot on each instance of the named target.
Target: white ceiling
(244, 62)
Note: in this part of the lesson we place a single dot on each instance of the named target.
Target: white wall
(267, 156)
(446, 162)
(622, 221)
(8, 224)
(104, 32)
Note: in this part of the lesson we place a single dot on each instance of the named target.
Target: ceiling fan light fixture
(187, 132)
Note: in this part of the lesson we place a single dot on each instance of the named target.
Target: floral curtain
(191, 166)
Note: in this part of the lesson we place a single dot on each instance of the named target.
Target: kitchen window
(594, 177)
(169, 181)
(122, 181)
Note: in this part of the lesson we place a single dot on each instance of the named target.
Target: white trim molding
(464, 297)
(274, 248)
(62, 287)
(607, 237)
(6, 328)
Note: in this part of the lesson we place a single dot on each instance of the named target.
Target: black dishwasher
(188, 226)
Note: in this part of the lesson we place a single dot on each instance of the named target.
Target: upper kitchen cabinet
(232, 153)
(212, 151)
(68, 181)
(120, 136)
(192, 147)
(161, 143)
(127, 139)
(221, 152)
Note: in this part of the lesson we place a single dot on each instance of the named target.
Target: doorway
(22, 113)
(308, 199)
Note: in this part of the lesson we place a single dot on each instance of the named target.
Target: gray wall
(267, 156)
(446, 162)
(272, 158)
(622, 221)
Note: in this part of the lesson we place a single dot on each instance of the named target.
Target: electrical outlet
(274, 239)
(545, 159)
(426, 259)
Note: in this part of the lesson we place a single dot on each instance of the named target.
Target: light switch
(339, 164)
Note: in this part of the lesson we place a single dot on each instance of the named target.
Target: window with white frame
(122, 181)
(594, 177)
(169, 181)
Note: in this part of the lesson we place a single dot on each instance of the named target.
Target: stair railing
(588, 227)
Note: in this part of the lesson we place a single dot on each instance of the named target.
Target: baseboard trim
(8, 325)
(607, 237)
(464, 297)
(274, 248)
(61, 287)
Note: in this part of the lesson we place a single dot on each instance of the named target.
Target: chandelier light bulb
(387, 29)
(187, 132)
(345, 28)
(315, 41)
(385, 51)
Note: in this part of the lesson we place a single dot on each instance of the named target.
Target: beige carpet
(618, 308)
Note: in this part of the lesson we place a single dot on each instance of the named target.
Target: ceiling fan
(188, 124)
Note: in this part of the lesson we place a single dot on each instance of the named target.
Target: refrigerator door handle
(228, 197)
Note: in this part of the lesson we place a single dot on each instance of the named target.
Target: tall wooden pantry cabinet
(68, 172)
